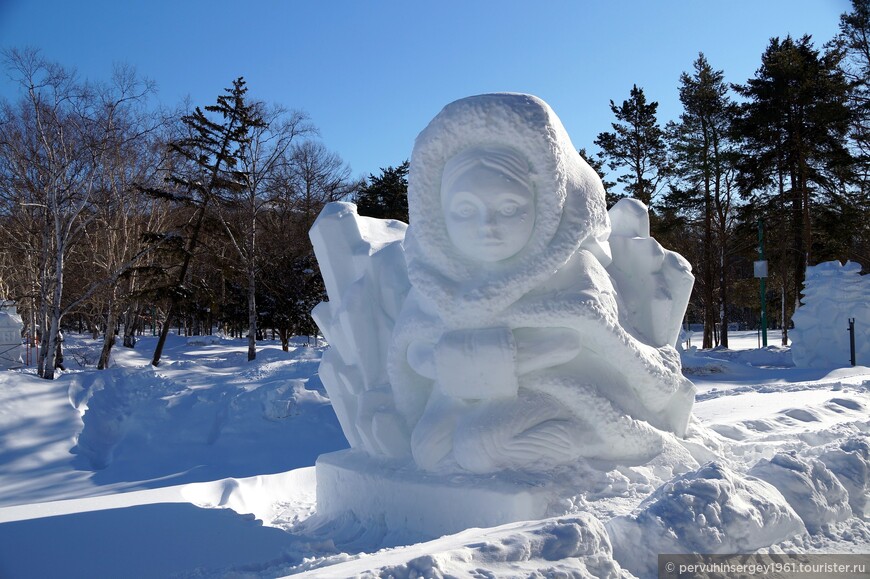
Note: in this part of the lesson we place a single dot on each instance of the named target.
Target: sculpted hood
(570, 209)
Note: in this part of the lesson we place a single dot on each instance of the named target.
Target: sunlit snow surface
(203, 468)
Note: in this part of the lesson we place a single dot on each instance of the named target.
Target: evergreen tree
(854, 38)
(205, 169)
(637, 145)
(794, 128)
(850, 207)
(598, 165)
(703, 162)
(385, 196)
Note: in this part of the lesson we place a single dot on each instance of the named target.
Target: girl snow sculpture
(509, 351)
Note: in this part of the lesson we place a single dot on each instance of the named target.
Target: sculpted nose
(488, 219)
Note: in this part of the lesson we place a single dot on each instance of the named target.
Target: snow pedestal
(11, 348)
(409, 501)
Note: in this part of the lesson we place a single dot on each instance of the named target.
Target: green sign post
(761, 273)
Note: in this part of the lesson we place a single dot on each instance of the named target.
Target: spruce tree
(636, 145)
(204, 171)
(597, 165)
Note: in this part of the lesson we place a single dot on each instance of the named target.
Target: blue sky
(371, 74)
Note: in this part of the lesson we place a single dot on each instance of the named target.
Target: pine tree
(597, 165)
(385, 196)
(850, 206)
(637, 145)
(703, 161)
(794, 128)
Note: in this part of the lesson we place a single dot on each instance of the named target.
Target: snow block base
(403, 499)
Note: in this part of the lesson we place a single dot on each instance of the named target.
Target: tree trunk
(131, 325)
(43, 317)
(51, 345)
(723, 301)
(251, 243)
(109, 340)
(252, 307)
(252, 319)
(55, 311)
(798, 253)
(709, 294)
(164, 332)
(284, 334)
(170, 311)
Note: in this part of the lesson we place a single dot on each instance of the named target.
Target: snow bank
(575, 546)
(710, 510)
(108, 400)
(216, 417)
(203, 340)
(809, 487)
(259, 495)
(850, 462)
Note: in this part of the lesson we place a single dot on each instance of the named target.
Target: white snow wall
(833, 293)
(11, 348)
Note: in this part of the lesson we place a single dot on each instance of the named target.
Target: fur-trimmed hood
(570, 209)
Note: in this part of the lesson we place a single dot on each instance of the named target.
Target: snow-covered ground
(203, 467)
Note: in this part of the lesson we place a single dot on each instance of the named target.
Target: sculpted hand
(539, 348)
(469, 364)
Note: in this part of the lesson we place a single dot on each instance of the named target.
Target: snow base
(405, 501)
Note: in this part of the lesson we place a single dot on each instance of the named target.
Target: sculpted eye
(464, 210)
(509, 209)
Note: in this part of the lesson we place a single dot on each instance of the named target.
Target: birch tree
(262, 154)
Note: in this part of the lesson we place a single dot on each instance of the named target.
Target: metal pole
(763, 285)
(852, 340)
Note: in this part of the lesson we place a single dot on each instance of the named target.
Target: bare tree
(123, 213)
(316, 176)
(292, 285)
(262, 156)
(57, 140)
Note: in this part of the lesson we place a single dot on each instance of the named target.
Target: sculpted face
(489, 207)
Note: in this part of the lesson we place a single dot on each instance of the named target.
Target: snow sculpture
(832, 294)
(499, 333)
(364, 273)
(11, 348)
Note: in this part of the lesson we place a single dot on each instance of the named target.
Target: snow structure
(513, 328)
(832, 294)
(11, 348)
